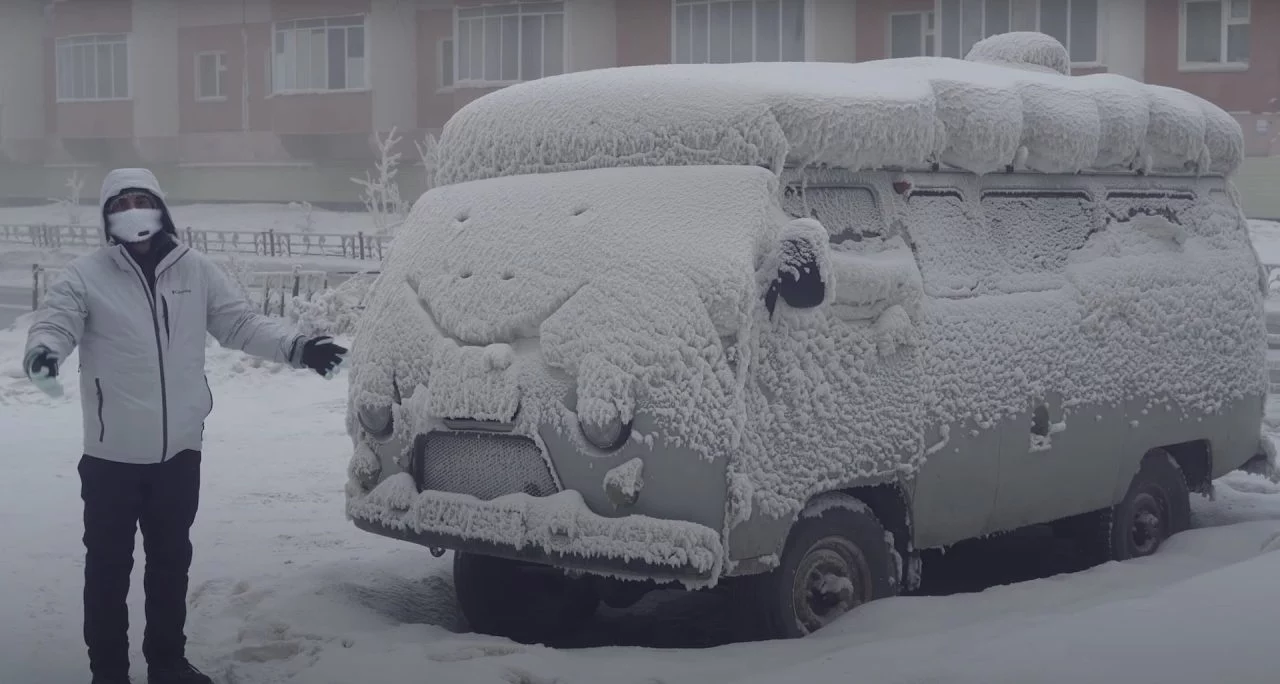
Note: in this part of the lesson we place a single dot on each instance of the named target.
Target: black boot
(104, 679)
(180, 672)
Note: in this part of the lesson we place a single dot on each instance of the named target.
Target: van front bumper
(558, 530)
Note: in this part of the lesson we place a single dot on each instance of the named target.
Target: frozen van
(784, 326)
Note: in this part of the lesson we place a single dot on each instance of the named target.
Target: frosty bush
(241, 274)
(333, 311)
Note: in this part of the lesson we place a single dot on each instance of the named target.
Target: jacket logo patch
(179, 292)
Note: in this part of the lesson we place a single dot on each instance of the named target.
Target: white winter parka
(142, 384)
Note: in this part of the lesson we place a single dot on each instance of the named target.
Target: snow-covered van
(783, 326)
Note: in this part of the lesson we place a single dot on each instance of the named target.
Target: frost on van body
(1008, 103)
(544, 298)
(621, 299)
(820, 398)
(627, 479)
(560, 523)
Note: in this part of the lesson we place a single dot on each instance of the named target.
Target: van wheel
(524, 602)
(1156, 507)
(834, 561)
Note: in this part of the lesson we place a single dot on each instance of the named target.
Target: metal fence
(270, 243)
(270, 291)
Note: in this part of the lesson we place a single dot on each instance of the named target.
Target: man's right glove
(41, 366)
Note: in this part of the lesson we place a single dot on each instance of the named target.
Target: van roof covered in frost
(1010, 102)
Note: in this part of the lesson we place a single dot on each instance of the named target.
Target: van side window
(849, 213)
(1123, 205)
(1035, 231)
(956, 256)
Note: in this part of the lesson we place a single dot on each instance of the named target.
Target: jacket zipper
(102, 426)
(149, 290)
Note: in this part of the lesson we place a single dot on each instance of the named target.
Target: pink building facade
(308, 83)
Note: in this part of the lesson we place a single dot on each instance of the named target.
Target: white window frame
(926, 32)
(1225, 23)
(220, 70)
(445, 77)
(466, 16)
(808, 14)
(334, 23)
(1099, 59)
(96, 40)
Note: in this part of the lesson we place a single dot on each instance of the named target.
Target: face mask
(134, 225)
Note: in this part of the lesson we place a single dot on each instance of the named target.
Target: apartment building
(227, 95)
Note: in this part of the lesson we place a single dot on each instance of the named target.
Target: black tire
(524, 602)
(844, 543)
(1156, 507)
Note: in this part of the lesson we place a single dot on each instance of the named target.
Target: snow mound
(1009, 104)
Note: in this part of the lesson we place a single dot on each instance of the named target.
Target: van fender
(756, 543)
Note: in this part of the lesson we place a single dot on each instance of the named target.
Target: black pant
(162, 499)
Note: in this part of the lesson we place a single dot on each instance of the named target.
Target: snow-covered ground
(284, 589)
(1266, 238)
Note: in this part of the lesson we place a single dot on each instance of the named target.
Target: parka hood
(120, 180)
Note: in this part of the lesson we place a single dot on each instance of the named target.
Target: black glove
(41, 363)
(321, 355)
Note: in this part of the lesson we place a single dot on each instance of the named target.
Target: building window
(92, 68)
(1074, 23)
(500, 44)
(319, 55)
(444, 58)
(210, 66)
(911, 34)
(1215, 32)
(722, 31)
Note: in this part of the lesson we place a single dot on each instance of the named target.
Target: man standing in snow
(139, 309)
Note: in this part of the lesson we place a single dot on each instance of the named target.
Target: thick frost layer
(1008, 105)
(627, 479)
(558, 524)
(641, 295)
(616, 286)
(1027, 50)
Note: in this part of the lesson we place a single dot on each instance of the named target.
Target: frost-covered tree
(380, 191)
(428, 151)
(70, 203)
(306, 215)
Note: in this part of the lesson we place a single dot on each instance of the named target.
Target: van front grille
(485, 466)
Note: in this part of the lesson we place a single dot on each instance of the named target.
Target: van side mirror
(799, 277)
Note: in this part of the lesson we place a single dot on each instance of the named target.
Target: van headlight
(376, 421)
(608, 434)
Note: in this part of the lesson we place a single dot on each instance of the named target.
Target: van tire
(1156, 507)
(524, 602)
(846, 542)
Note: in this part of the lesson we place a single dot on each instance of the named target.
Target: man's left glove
(321, 355)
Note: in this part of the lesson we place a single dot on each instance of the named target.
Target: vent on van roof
(1023, 49)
